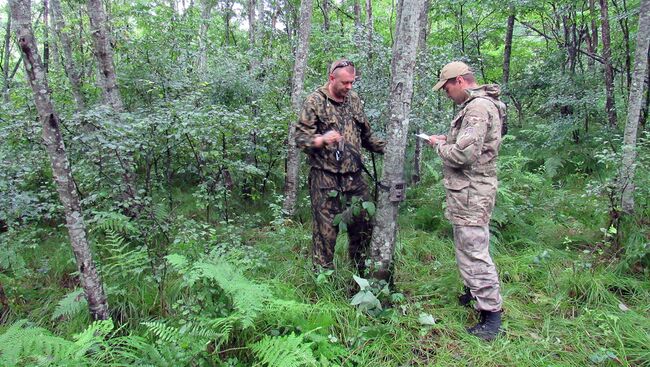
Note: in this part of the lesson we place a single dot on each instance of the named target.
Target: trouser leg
(324, 208)
(360, 229)
(476, 266)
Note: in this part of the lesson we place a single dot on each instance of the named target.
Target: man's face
(341, 81)
(455, 89)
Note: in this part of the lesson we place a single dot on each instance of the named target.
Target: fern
(22, 342)
(163, 331)
(113, 222)
(122, 260)
(284, 351)
(70, 305)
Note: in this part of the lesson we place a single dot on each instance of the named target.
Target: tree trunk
(6, 54)
(621, 14)
(610, 105)
(46, 36)
(325, 8)
(507, 52)
(104, 54)
(646, 107)
(399, 101)
(90, 280)
(111, 95)
(422, 46)
(74, 75)
(594, 32)
(206, 11)
(626, 179)
(4, 305)
(293, 155)
(370, 28)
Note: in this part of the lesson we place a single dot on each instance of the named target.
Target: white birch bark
(68, 61)
(293, 155)
(90, 280)
(401, 93)
(628, 166)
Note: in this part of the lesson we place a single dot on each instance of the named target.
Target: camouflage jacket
(469, 157)
(320, 113)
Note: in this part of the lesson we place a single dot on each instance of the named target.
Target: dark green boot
(489, 326)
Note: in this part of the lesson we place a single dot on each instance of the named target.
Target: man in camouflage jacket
(469, 153)
(331, 129)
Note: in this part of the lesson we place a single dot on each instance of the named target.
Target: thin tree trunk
(5, 59)
(111, 95)
(626, 179)
(104, 54)
(370, 28)
(73, 73)
(90, 280)
(4, 303)
(325, 8)
(625, 29)
(293, 157)
(646, 107)
(422, 46)
(401, 92)
(46, 32)
(610, 105)
(507, 52)
(594, 32)
(206, 12)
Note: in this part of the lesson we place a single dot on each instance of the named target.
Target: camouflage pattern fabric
(321, 114)
(336, 167)
(476, 266)
(469, 158)
(325, 207)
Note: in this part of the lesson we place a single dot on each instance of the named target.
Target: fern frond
(162, 331)
(284, 351)
(248, 298)
(21, 341)
(123, 260)
(70, 305)
(113, 222)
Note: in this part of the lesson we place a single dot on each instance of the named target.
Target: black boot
(465, 298)
(489, 326)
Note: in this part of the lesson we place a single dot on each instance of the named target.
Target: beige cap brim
(439, 85)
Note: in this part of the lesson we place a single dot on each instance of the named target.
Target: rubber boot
(466, 298)
(489, 326)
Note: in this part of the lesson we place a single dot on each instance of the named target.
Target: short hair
(341, 64)
(469, 77)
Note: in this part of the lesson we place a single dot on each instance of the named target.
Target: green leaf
(369, 206)
(356, 211)
(333, 193)
(363, 283)
(337, 219)
(426, 319)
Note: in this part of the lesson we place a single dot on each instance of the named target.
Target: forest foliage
(211, 273)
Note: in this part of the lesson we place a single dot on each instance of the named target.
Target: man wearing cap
(469, 153)
(331, 129)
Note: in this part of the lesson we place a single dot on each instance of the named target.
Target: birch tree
(71, 70)
(66, 188)
(626, 178)
(293, 157)
(107, 80)
(610, 106)
(399, 102)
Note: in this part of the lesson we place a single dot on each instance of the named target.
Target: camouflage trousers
(476, 266)
(325, 206)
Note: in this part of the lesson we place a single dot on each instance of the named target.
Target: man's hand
(328, 138)
(437, 139)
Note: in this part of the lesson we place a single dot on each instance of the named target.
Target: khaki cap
(450, 71)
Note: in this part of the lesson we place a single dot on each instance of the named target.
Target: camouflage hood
(487, 90)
